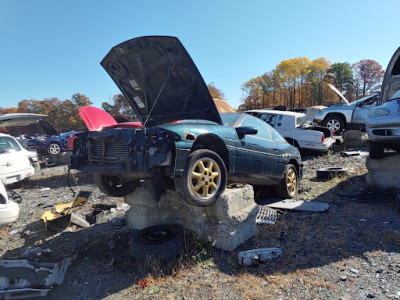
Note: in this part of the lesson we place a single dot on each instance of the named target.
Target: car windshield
(8, 144)
(229, 119)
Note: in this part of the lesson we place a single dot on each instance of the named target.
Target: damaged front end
(130, 153)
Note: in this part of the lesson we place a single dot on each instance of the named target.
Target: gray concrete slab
(384, 173)
(229, 222)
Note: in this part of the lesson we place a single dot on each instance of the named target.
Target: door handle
(276, 149)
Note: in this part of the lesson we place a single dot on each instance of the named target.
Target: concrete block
(229, 222)
(384, 173)
(353, 139)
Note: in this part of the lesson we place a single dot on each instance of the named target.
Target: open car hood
(159, 79)
(391, 80)
(339, 94)
(19, 119)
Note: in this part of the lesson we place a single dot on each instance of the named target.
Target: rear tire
(54, 149)
(288, 186)
(112, 185)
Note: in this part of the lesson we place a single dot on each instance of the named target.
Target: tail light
(70, 143)
(322, 138)
(333, 133)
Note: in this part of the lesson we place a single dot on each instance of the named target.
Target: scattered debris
(63, 217)
(354, 153)
(266, 215)
(300, 205)
(354, 271)
(255, 256)
(80, 221)
(23, 279)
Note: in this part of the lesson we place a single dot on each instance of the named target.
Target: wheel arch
(295, 164)
(336, 114)
(214, 143)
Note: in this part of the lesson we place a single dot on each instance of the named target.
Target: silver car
(347, 115)
(383, 122)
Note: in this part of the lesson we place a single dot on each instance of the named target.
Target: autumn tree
(342, 76)
(368, 76)
(318, 70)
(215, 92)
(120, 109)
(81, 100)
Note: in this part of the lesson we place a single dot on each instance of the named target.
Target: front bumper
(129, 152)
(384, 129)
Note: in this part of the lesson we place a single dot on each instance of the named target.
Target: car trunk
(308, 123)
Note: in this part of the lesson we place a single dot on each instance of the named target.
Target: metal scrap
(300, 205)
(23, 279)
(266, 215)
(255, 256)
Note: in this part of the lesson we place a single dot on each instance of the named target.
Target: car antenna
(158, 96)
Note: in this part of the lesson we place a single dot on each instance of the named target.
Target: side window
(279, 121)
(263, 131)
(277, 137)
(8, 144)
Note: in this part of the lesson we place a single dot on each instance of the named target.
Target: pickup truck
(347, 115)
(297, 128)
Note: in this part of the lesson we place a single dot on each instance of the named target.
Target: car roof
(281, 112)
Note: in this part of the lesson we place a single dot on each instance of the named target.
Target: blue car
(52, 145)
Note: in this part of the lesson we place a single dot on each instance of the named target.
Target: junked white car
(297, 128)
(14, 162)
(9, 210)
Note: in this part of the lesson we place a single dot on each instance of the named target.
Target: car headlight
(378, 112)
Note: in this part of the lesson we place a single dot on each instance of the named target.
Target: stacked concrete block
(229, 222)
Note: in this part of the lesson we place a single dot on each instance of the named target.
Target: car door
(256, 153)
(362, 109)
(12, 158)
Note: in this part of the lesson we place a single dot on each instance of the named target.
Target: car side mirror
(244, 130)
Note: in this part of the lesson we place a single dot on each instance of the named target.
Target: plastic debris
(255, 256)
(266, 215)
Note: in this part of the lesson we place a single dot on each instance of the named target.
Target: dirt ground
(350, 252)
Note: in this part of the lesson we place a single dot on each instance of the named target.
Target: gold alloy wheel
(205, 178)
(291, 181)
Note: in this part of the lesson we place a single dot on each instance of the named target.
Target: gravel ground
(350, 252)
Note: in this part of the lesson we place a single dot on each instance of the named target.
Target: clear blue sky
(52, 48)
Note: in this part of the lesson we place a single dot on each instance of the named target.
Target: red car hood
(97, 119)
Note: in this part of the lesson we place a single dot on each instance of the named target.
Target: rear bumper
(9, 212)
(321, 147)
(17, 176)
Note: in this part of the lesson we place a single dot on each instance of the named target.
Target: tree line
(300, 82)
(294, 83)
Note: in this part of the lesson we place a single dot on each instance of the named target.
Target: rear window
(8, 144)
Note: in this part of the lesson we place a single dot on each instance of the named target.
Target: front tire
(288, 185)
(54, 149)
(204, 178)
(113, 186)
(334, 123)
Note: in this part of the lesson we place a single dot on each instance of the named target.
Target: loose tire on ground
(288, 186)
(334, 123)
(331, 172)
(204, 178)
(163, 241)
(111, 185)
(376, 150)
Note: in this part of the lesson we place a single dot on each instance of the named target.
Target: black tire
(288, 185)
(54, 149)
(163, 241)
(209, 186)
(331, 172)
(376, 150)
(334, 123)
(112, 185)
